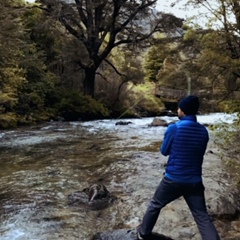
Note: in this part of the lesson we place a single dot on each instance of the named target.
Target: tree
(12, 76)
(102, 25)
(155, 57)
(221, 55)
(39, 58)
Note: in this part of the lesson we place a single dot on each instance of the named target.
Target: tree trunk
(89, 82)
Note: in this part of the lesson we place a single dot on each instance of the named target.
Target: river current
(41, 165)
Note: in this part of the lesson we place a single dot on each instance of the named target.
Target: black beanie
(189, 105)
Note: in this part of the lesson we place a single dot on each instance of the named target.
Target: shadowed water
(42, 165)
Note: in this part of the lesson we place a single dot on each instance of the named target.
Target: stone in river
(96, 197)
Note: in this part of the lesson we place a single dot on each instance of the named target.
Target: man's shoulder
(173, 125)
(192, 125)
(202, 126)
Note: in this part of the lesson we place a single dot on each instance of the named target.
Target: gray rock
(158, 122)
(126, 234)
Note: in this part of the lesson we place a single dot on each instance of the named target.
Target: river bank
(42, 165)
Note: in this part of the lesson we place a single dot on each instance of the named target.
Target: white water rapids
(41, 165)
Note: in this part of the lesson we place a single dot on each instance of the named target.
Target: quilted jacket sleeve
(168, 139)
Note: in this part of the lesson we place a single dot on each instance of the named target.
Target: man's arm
(168, 139)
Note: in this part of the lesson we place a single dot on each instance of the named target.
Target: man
(185, 142)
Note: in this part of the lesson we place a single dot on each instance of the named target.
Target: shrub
(75, 106)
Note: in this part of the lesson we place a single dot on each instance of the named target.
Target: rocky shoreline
(222, 194)
(175, 220)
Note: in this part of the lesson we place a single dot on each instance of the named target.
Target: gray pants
(193, 194)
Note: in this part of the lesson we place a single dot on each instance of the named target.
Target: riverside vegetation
(48, 72)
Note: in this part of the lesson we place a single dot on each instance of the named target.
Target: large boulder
(126, 234)
(158, 122)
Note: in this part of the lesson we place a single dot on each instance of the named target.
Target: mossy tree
(100, 26)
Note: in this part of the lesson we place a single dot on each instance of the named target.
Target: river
(41, 165)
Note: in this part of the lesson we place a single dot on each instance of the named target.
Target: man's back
(185, 142)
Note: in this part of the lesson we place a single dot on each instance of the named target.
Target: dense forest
(82, 60)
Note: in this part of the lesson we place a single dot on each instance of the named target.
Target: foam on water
(213, 118)
(15, 138)
(13, 234)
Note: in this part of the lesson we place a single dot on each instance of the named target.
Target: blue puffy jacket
(185, 142)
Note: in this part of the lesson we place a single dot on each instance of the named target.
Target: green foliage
(203, 57)
(8, 120)
(11, 79)
(12, 75)
(74, 106)
(129, 64)
(191, 35)
(141, 100)
(127, 69)
(219, 52)
(19, 68)
(153, 62)
(230, 106)
(227, 138)
(37, 58)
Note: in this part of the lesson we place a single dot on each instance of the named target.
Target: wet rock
(96, 191)
(226, 207)
(122, 123)
(126, 234)
(158, 122)
(96, 197)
